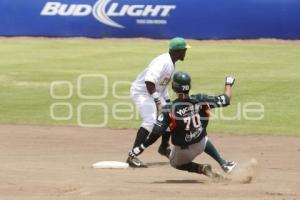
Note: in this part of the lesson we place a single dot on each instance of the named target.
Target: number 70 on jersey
(195, 119)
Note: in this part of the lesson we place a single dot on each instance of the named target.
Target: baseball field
(65, 105)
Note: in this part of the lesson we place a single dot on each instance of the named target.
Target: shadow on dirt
(185, 181)
(157, 164)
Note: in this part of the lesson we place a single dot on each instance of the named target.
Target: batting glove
(229, 80)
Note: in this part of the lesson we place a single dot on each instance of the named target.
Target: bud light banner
(199, 19)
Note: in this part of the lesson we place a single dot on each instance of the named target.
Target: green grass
(267, 72)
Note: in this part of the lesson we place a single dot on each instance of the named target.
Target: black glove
(229, 80)
(136, 151)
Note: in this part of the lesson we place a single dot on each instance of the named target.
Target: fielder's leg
(141, 137)
(147, 110)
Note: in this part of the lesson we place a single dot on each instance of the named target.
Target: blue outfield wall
(199, 19)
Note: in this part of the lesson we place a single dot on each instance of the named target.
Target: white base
(110, 165)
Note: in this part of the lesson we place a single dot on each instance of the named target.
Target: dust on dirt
(45, 162)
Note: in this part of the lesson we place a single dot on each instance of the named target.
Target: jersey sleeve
(155, 71)
(213, 101)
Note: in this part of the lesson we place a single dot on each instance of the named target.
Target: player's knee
(190, 167)
(148, 126)
(172, 163)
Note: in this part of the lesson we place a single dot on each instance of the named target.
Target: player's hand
(229, 80)
(136, 151)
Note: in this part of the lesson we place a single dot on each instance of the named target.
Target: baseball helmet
(181, 82)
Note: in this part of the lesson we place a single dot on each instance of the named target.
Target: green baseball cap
(178, 43)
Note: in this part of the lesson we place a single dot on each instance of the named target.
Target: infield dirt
(44, 162)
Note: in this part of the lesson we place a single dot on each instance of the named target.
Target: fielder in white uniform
(149, 92)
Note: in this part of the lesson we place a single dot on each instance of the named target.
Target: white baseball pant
(147, 109)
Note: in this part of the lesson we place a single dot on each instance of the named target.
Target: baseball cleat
(206, 170)
(164, 151)
(214, 176)
(135, 162)
(228, 166)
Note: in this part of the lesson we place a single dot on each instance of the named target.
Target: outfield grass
(267, 72)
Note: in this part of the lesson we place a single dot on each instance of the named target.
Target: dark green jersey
(188, 118)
